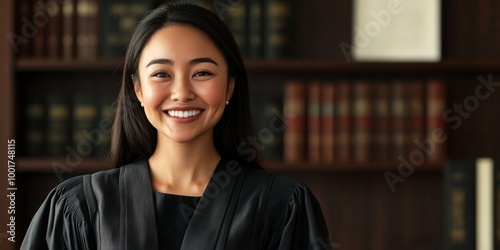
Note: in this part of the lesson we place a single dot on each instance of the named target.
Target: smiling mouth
(183, 113)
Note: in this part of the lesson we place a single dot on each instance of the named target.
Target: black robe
(241, 208)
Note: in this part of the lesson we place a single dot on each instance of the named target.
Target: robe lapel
(137, 214)
(210, 223)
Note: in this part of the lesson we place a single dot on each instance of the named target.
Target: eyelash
(200, 73)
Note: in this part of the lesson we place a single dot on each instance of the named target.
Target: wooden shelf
(44, 165)
(283, 65)
(89, 165)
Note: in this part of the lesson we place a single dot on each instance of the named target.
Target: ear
(230, 88)
(137, 87)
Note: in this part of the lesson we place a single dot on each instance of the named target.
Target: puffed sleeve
(299, 223)
(62, 221)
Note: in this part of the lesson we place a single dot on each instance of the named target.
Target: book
(362, 121)
(399, 111)
(35, 127)
(236, 21)
(294, 106)
(268, 126)
(396, 31)
(460, 204)
(314, 122)
(117, 22)
(328, 127)
(24, 27)
(87, 26)
(69, 29)
(54, 29)
(435, 125)
(106, 110)
(381, 120)
(277, 34)
(416, 115)
(58, 124)
(254, 27)
(469, 203)
(84, 121)
(40, 38)
(343, 139)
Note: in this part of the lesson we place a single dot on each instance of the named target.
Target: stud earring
(227, 102)
(142, 104)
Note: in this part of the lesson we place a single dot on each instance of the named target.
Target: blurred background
(381, 107)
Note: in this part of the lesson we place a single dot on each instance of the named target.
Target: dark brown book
(295, 114)
(314, 122)
(343, 137)
(87, 29)
(436, 126)
(399, 111)
(69, 16)
(277, 33)
(54, 29)
(328, 127)
(416, 116)
(381, 120)
(362, 121)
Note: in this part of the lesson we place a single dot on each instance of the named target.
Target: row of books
(77, 125)
(76, 29)
(90, 29)
(472, 203)
(362, 121)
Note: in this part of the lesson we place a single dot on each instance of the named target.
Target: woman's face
(183, 83)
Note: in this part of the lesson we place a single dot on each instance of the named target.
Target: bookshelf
(361, 211)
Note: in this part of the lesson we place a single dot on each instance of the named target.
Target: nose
(182, 90)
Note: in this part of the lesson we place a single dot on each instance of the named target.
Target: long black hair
(133, 136)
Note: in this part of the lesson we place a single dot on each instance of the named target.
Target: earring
(227, 102)
(142, 104)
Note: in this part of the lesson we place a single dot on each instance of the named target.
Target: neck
(183, 168)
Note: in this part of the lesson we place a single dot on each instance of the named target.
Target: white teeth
(183, 114)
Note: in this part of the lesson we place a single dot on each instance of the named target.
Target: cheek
(152, 96)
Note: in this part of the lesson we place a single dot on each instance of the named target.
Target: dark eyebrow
(160, 61)
(203, 60)
(192, 62)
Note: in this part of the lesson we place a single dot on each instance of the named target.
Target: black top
(173, 213)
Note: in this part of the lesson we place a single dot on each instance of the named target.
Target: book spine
(236, 22)
(382, 124)
(84, 121)
(118, 20)
(362, 121)
(416, 114)
(399, 110)
(314, 122)
(328, 123)
(69, 29)
(436, 103)
(277, 32)
(254, 28)
(87, 26)
(54, 30)
(58, 124)
(484, 203)
(295, 114)
(460, 204)
(35, 119)
(344, 121)
(40, 39)
(24, 10)
(104, 122)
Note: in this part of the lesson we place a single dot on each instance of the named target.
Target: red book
(295, 113)
(314, 122)
(328, 122)
(343, 133)
(381, 121)
(416, 113)
(362, 121)
(436, 127)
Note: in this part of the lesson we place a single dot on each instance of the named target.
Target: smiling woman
(182, 181)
